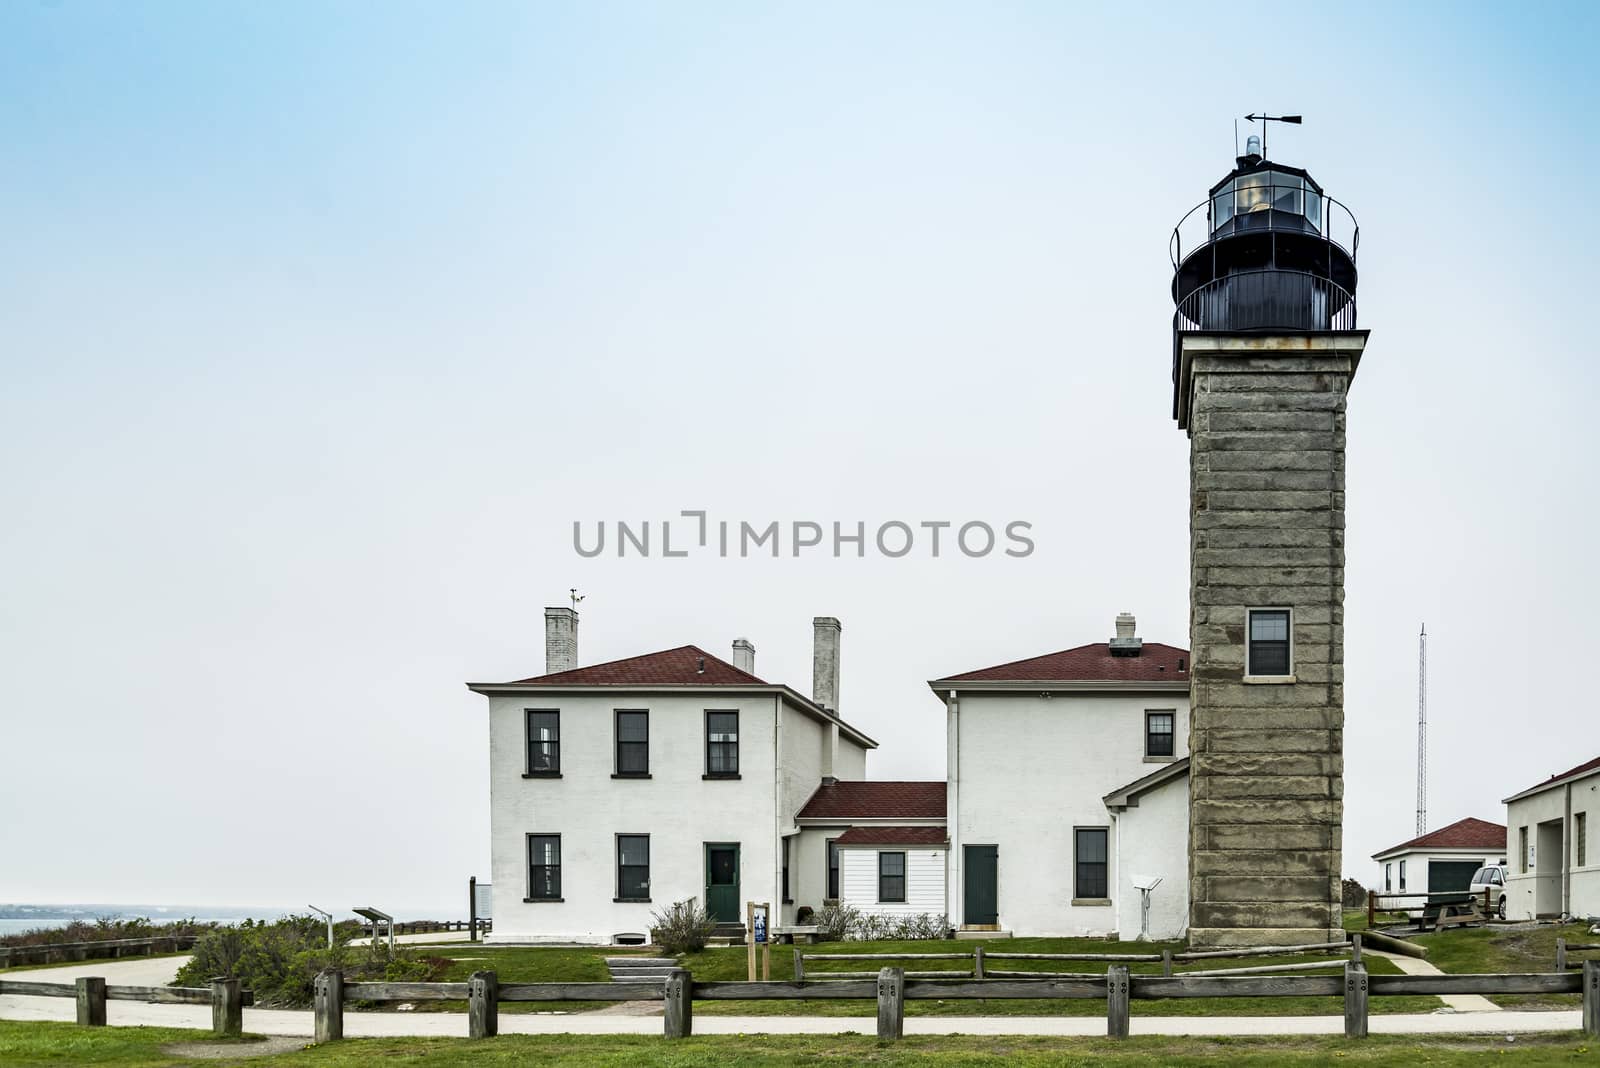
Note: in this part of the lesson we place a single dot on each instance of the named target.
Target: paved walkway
(1418, 966)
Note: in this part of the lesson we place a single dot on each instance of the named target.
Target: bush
(278, 961)
(835, 921)
(104, 929)
(879, 927)
(1354, 894)
(683, 927)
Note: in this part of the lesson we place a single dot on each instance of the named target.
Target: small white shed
(1440, 861)
(893, 871)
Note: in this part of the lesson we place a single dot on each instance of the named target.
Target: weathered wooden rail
(981, 968)
(111, 947)
(225, 997)
(1563, 947)
(892, 987)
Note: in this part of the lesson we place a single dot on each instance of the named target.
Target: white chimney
(744, 655)
(825, 662)
(1126, 643)
(560, 640)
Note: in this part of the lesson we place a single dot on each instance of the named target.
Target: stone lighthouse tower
(1264, 347)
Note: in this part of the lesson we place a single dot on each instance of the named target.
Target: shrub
(1354, 894)
(104, 929)
(279, 960)
(835, 922)
(683, 927)
(803, 915)
(876, 927)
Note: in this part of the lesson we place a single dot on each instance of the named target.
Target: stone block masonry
(1266, 423)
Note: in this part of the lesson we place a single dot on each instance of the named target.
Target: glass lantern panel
(1253, 193)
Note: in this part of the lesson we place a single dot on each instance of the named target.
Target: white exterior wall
(1417, 862)
(587, 807)
(858, 880)
(1030, 770)
(1546, 864)
(1152, 839)
(808, 865)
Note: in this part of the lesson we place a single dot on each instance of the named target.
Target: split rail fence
(1563, 947)
(982, 962)
(111, 947)
(226, 998)
(893, 987)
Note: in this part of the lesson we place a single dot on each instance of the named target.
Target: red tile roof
(877, 801)
(670, 667)
(932, 836)
(1589, 765)
(1463, 834)
(1090, 663)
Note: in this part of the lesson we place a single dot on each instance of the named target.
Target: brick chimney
(744, 655)
(825, 662)
(1127, 642)
(560, 640)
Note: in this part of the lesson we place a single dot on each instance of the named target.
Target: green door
(1448, 875)
(981, 866)
(722, 882)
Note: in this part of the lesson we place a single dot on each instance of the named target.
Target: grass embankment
(139, 1047)
(1507, 949)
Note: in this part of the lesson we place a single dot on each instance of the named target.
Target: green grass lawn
(33, 1044)
(1506, 949)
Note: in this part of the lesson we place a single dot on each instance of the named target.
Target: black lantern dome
(1268, 252)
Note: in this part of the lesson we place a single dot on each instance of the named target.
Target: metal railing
(1267, 300)
(1199, 226)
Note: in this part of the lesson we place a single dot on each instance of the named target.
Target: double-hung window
(1388, 878)
(1158, 740)
(722, 745)
(633, 867)
(891, 877)
(786, 897)
(544, 867)
(1090, 863)
(833, 869)
(1269, 652)
(544, 742)
(1580, 836)
(633, 743)
(1522, 850)
(1402, 876)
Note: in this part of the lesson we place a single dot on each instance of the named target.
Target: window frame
(710, 774)
(786, 840)
(1250, 672)
(1078, 895)
(532, 883)
(1402, 877)
(621, 896)
(617, 743)
(529, 771)
(883, 899)
(830, 885)
(1388, 876)
(1580, 834)
(1171, 715)
(1522, 850)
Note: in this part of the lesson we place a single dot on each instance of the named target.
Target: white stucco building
(1067, 785)
(1440, 861)
(1553, 867)
(880, 847)
(619, 788)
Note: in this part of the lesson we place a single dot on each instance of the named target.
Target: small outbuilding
(1553, 871)
(1441, 861)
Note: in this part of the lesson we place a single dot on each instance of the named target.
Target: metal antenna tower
(1422, 731)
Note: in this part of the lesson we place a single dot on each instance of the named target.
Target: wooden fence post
(1117, 1001)
(91, 1001)
(1591, 998)
(1166, 963)
(1355, 948)
(1355, 1000)
(799, 966)
(679, 1016)
(977, 962)
(328, 1005)
(1561, 954)
(891, 1004)
(227, 1008)
(483, 1005)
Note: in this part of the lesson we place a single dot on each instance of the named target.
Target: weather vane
(1294, 120)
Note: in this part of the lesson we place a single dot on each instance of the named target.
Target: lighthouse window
(1252, 193)
(1269, 643)
(1286, 193)
(1222, 207)
(1314, 207)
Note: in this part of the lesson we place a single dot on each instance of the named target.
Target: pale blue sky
(322, 323)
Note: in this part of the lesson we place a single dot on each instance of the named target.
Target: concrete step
(639, 962)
